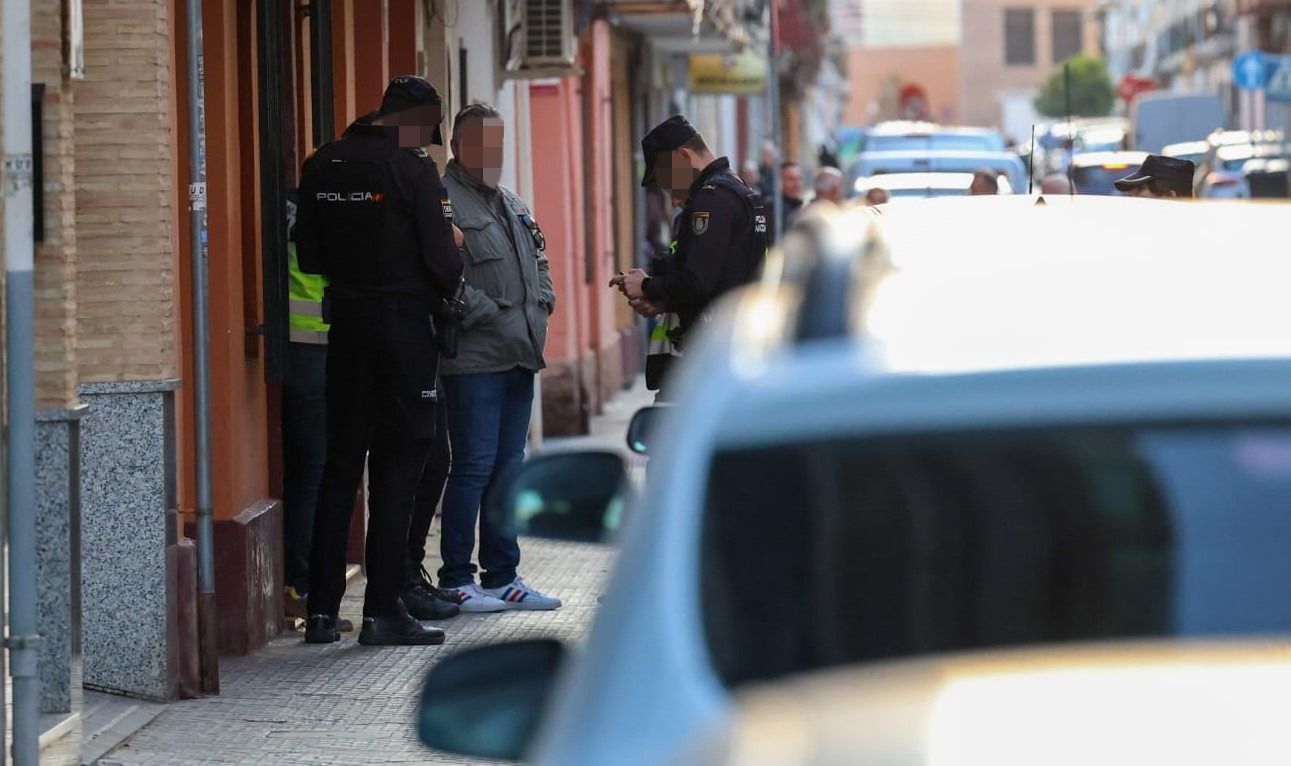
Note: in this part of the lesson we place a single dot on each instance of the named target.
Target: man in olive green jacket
(489, 385)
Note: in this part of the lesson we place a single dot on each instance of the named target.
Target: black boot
(424, 600)
(398, 629)
(322, 629)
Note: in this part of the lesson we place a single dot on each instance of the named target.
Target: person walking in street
(489, 386)
(376, 220)
(1160, 178)
(721, 232)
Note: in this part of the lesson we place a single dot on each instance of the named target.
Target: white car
(924, 185)
(972, 482)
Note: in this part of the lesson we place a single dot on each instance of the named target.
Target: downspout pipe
(773, 105)
(206, 618)
(19, 251)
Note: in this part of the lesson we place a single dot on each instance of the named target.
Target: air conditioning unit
(538, 38)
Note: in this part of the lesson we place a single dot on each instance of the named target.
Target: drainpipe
(19, 247)
(773, 104)
(206, 619)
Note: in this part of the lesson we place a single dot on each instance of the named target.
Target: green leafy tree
(1092, 94)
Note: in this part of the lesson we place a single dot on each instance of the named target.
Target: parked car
(973, 481)
(1193, 151)
(1268, 177)
(1223, 174)
(938, 161)
(901, 136)
(1097, 173)
(924, 185)
(1162, 118)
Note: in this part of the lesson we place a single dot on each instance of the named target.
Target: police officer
(375, 220)
(721, 234)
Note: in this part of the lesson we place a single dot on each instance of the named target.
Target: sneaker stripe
(523, 596)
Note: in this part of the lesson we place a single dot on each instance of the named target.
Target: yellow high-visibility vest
(305, 303)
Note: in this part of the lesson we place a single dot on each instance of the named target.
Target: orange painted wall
(869, 71)
(558, 167)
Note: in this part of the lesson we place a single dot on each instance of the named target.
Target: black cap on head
(1169, 173)
(669, 135)
(410, 92)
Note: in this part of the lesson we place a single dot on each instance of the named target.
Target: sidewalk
(293, 703)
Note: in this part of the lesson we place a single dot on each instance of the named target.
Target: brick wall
(56, 373)
(126, 272)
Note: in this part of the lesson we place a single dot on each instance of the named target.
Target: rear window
(933, 142)
(1100, 179)
(825, 554)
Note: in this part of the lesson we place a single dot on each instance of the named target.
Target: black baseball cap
(1169, 172)
(667, 136)
(410, 92)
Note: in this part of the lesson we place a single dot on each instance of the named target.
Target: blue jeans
(488, 425)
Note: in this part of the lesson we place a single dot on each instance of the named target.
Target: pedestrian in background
(876, 196)
(376, 221)
(985, 183)
(721, 234)
(1161, 178)
(489, 386)
(828, 186)
(792, 187)
(751, 175)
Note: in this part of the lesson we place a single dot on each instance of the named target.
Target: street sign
(1249, 70)
(1277, 78)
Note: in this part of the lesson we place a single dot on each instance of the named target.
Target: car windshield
(871, 549)
(933, 142)
(1100, 179)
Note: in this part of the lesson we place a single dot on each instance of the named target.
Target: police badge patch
(699, 223)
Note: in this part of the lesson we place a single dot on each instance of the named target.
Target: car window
(823, 554)
(1099, 179)
(933, 142)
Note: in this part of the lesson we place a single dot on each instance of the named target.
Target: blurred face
(416, 126)
(676, 172)
(1146, 190)
(791, 182)
(749, 173)
(478, 149)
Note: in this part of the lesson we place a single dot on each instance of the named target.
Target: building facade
(1010, 48)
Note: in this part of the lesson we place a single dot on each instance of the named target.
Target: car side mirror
(577, 496)
(487, 702)
(644, 426)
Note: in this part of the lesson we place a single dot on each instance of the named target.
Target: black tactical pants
(381, 403)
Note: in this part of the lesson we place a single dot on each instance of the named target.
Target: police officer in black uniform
(721, 234)
(375, 219)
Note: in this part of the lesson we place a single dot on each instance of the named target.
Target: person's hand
(631, 283)
(645, 307)
(459, 238)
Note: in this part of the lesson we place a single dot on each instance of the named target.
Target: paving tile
(293, 703)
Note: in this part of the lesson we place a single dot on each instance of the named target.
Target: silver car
(975, 481)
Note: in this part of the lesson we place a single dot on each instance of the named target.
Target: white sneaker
(517, 595)
(472, 598)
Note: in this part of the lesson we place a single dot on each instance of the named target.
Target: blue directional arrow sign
(1250, 70)
(1277, 78)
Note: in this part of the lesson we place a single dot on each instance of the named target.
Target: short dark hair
(788, 164)
(1161, 187)
(696, 143)
(476, 111)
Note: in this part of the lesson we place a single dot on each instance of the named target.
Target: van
(1161, 119)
